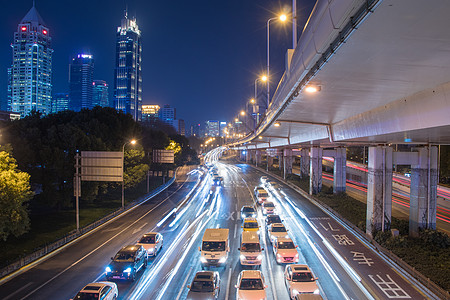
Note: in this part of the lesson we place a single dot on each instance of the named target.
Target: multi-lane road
(347, 268)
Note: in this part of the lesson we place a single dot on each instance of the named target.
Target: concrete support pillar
(253, 156)
(258, 157)
(248, 156)
(379, 189)
(304, 162)
(315, 170)
(339, 171)
(269, 162)
(287, 162)
(423, 195)
(280, 160)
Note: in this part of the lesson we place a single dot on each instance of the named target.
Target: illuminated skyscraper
(127, 74)
(81, 74)
(100, 94)
(60, 102)
(150, 113)
(168, 115)
(30, 84)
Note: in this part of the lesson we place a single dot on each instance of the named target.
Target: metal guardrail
(74, 235)
(422, 279)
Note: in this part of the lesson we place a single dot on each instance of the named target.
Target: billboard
(163, 156)
(101, 166)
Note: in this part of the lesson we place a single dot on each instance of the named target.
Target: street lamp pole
(282, 18)
(268, 61)
(123, 165)
(294, 24)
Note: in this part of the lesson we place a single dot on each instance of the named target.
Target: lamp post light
(123, 179)
(282, 18)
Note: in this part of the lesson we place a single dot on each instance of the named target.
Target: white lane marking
(81, 259)
(178, 265)
(17, 291)
(184, 283)
(235, 230)
(138, 229)
(227, 294)
(390, 288)
(53, 253)
(331, 228)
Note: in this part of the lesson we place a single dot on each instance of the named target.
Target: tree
(14, 193)
(135, 171)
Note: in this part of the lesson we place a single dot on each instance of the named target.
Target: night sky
(201, 57)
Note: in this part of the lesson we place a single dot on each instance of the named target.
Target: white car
(152, 243)
(264, 179)
(104, 290)
(250, 285)
(268, 208)
(285, 251)
(300, 280)
(275, 231)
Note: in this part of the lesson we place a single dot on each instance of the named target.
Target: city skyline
(175, 44)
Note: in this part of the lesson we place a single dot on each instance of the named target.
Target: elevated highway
(380, 71)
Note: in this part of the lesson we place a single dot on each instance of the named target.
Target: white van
(215, 247)
(251, 254)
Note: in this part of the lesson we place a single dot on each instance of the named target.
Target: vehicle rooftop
(251, 274)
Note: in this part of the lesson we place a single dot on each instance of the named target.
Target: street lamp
(254, 100)
(282, 18)
(132, 142)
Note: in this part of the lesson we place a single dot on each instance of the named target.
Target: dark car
(248, 211)
(206, 285)
(126, 263)
(272, 219)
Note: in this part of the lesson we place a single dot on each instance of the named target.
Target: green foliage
(135, 171)
(14, 193)
(174, 146)
(435, 238)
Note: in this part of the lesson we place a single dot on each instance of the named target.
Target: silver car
(205, 286)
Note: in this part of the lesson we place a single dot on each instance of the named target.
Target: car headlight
(222, 260)
(151, 250)
(202, 259)
(259, 257)
(316, 291)
(243, 215)
(257, 232)
(127, 270)
(287, 236)
(108, 270)
(294, 293)
(296, 255)
(242, 257)
(279, 255)
(253, 215)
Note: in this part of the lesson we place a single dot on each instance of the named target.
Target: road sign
(163, 156)
(101, 166)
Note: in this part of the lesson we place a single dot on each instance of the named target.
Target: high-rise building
(223, 126)
(60, 102)
(31, 70)
(100, 93)
(81, 74)
(150, 113)
(127, 74)
(168, 115)
(212, 128)
(180, 127)
(195, 130)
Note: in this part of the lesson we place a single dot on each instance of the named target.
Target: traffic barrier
(71, 236)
